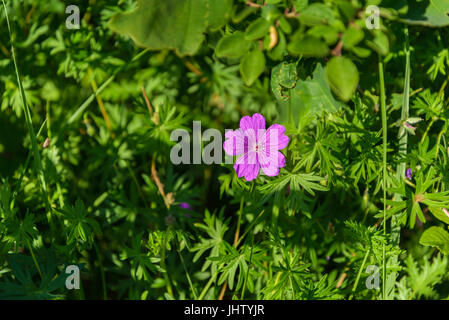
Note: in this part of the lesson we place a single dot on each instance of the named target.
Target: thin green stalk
(432, 121)
(208, 284)
(50, 137)
(439, 139)
(164, 266)
(242, 296)
(34, 259)
(103, 277)
(25, 167)
(77, 114)
(28, 120)
(359, 274)
(188, 276)
(384, 166)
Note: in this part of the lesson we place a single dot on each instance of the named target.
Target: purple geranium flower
(408, 174)
(185, 205)
(258, 147)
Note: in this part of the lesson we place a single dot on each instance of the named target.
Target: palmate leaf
(297, 181)
(25, 284)
(171, 24)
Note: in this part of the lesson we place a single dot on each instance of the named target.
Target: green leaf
(380, 43)
(252, 66)
(220, 12)
(278, 52)
(233, 46)
(309, 98)
(257, 29)
(436, 237)
(315, 14)
(308, 46)
(328, 34)
(171, 24)
(439, 214)
(343, 77)
(352, 37)
(433, 13)
(283, 77)
(270, 12)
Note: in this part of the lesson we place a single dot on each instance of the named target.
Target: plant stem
(29, 123)
(384, 165)
(164, 266)
(103, 277)
(359, 274)
(432, 121)
(188, 276)
(208, 284)
(236, 241)
(34, 259)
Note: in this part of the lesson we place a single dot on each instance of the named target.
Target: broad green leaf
(352, 37)
(278, 52)
(220, 12)
(285, 25)
(233, 46)
(308, 46)
(252, 66)
(171, 24)
(343, 77)
(307, 99)
(431, 13)
(257, 29)
(315, 14)
(439, 214)
(328, 34)
(436, 237)
(361, 52)
(300, 5)
(271, 13)
(380, 43)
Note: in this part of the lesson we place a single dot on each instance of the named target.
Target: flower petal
(276, 138)
(256, 122)
(271, 163)
(247, 166)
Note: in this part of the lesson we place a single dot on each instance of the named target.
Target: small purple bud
(185, 205)
(408, 174)
(328, 258)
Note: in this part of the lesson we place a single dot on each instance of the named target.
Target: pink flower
(258, 147)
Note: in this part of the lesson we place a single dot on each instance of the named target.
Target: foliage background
(101, 193)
